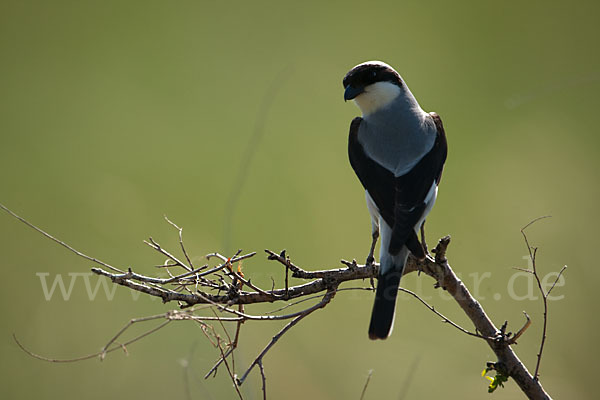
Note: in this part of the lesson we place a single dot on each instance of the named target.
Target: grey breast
(398, 136)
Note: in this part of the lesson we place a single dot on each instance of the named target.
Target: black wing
(400, 200)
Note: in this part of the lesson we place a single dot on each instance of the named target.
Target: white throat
(376, 97)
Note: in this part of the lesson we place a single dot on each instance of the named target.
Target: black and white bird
(398, 151)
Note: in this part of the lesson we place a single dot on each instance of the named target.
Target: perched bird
(398, 151)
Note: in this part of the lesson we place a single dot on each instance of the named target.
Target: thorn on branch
(351, 265)
(513, 340)
(271, 256)
(440, 249)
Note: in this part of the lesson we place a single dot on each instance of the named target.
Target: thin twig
(556, 280)
(326, 299)
(224, 264)
(230, 346)
(362, 395)
(445, 319)
(181, 241)
(65, 245)
(231, 374)
(127, 326)
(152, 243)
(252, 286)
(287, 276)
(94, 355)
(264, 379)
(160, 281)
(217, 364)
(533, 221)
(238, 327)
(532, 257)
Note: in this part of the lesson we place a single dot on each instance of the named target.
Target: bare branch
(221, 287)
(316, 286)
(556, 280)
(533, 221)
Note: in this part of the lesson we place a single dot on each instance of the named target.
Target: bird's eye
(374, 74)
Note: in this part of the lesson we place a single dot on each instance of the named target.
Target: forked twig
(532, 257)
(98, 354)
(128, 325)
(181, 242)
(152, 243)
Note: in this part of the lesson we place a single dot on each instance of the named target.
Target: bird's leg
(370, 257)
(423, 242)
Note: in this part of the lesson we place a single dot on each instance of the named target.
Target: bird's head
(372, 85)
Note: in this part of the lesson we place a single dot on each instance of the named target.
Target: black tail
(382, 317)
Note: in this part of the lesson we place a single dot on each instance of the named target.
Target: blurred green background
(115, 113)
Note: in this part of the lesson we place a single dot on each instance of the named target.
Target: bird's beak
(351, 92)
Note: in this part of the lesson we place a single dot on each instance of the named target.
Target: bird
(398, 152)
